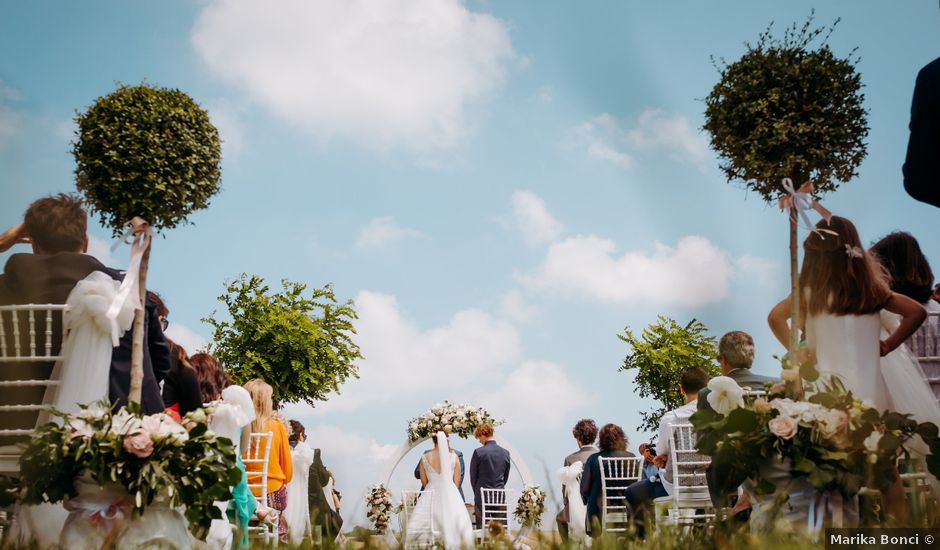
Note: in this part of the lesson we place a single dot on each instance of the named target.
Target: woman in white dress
(843, 290)
(439, 508)
(297, 513)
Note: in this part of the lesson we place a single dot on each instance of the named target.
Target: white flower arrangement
(379, 501)
(459, 419)
(530, 506)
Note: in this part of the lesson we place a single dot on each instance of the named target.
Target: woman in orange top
(279, 461)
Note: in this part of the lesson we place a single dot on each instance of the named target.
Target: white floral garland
(459, 419)
(380, 505)
(530, 506)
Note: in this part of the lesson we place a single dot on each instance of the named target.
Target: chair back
(688, 467)
(418, 531)
(924, 345)
(617, 473)
(259, 452)
(495, 507)
(30, 344)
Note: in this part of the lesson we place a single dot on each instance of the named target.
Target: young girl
(842, 292)
(280, 468)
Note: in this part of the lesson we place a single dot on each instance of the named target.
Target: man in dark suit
(585, 433)
(459, 461)
(56, 226)
(735, 356)
(489, 468)
(921, 166)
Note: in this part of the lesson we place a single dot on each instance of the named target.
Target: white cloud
(383, 74)
(693, 273)
(403, 360)
(533, 219)
(655, 131)
(766, 273)
(191, 341)
(522, 397)
(10, 119)
(382, 232)
(101, 250)
(514, 307)
(546, 95)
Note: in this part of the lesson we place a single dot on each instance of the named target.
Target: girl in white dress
(843, 290)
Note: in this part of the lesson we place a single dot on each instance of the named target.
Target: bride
(439, 508)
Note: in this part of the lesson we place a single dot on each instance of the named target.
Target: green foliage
(301, 346)
(191, 468)
(148, 152)
(660, 355)
(785, 109)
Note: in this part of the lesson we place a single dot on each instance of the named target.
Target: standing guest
(921, 166)
(280, 469)
(323, 499)
(641, 493)
(909, 271)
(585, 434)
(297, 513)
(212, 379)
(180, 387)
(612, 443)
(489, 467)
(55, 227)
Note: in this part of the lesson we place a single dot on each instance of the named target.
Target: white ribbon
(802, 200)
(820, 504)
(130, 286)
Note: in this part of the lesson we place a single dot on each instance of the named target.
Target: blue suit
(462, 471)
(489, 469)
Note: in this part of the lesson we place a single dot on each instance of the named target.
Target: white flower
(871, 442)
(725, 395)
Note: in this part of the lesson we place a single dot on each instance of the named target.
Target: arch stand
(515, 460)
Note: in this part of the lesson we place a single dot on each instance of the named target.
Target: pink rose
(139, 444)
(783, 426)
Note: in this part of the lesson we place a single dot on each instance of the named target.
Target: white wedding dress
(440, 508)
(297, 513)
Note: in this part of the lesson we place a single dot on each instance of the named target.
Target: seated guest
(56, 227)
(280, 467)
(585, 434)
(650, 469)
(180, 387)
(735, 357)
(612, 443)
(641, 493)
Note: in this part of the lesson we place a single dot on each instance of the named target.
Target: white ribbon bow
(140, 229)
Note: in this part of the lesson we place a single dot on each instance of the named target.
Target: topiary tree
(149, 153)
(660, 355)
(301, 346)
(786, 109)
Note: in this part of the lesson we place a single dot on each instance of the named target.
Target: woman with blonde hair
(280, 468)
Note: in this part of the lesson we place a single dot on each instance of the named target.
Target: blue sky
(502, 186)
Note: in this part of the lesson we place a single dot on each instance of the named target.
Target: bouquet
(148, 456)
(530, 506)
(379, 501)
(450, 418)
(833, 439)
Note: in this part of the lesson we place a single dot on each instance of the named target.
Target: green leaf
(741, 420)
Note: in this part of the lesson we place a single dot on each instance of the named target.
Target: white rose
(871, 442)
(725, 395)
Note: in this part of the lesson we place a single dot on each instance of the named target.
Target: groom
(489, 468)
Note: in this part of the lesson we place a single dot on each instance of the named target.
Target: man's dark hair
(585, 431)
(297, 432)
(612, 438)
(693, 379)
(57, 223)
(157, 300)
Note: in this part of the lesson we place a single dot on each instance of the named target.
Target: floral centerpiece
(379, 501)
(530, 506)
(140, 458)
(451, 418)
(830, 438)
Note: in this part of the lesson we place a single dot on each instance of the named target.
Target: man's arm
(418, 469)
(156, 344)
(474, 467)
(921, 168)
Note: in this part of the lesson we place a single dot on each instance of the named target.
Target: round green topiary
(148, 152)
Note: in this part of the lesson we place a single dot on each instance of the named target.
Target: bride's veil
(443, 453)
